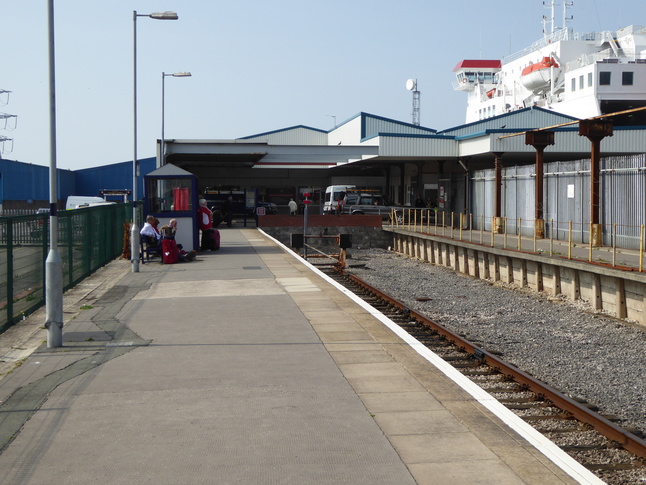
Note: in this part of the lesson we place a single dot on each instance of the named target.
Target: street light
(164, 75)
(134, 231)
(53, 263)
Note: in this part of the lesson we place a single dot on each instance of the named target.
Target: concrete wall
(366, 230)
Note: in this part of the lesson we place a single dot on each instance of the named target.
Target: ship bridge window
(627, 78)
(589, 79)
(581, 84)
(604, 78)
(573, 84)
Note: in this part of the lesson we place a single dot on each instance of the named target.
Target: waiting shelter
(171, 193)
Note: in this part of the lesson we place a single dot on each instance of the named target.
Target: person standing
(293, 207)
(205, 222)
(228, 210)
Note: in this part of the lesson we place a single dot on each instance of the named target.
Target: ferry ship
(579, 75)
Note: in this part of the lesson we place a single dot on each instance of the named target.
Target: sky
(256, 66)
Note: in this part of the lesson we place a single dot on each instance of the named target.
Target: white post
(54, 263)
(134, 229)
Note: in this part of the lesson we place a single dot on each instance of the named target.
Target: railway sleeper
(546, 417)
(463, 363)
(527, 405)
(634, 465)
(517, 400)
(475, 373)
(572, 429)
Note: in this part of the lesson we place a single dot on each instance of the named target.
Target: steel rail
(627, 440)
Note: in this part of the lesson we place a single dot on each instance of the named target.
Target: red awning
(478, 64)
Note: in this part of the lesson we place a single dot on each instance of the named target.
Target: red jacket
(205, 218)
(170, 252)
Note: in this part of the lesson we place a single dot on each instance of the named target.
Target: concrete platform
(244, 367)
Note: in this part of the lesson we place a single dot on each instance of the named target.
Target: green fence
(88, 238)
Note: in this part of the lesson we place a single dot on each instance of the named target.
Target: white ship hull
(589, 74)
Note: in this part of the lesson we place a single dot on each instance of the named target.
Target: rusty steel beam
(539, 140)
(595, 131)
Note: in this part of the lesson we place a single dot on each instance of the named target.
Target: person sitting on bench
(149, 233)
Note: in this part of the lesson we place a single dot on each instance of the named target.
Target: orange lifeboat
(537, 77)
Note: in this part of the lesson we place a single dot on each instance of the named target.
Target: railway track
(597, 441)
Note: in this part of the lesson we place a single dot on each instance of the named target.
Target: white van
(332, 195)
(78, 201)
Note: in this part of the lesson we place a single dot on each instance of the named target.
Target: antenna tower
(411, 85)
(551, 19)
(4, 100)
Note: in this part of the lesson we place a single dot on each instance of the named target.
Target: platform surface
(243, 367)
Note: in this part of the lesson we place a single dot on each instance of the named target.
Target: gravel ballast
(584, 355)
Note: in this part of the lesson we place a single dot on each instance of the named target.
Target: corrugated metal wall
(372, 125)
(25, 181)
(567, 198)
(521, 119)
(89, 181)
(299, 135)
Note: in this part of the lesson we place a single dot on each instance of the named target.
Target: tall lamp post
(134, 231)
(164, 75)
(53, 263)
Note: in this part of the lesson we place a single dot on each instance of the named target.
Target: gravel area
(584, 355)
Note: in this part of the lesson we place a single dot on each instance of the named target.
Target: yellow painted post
(590, 251)
(482, 229)
(569, 241)
(470, 227)
(493, 241)
(552, 237)
(614, 244)
(641, 248)
(443, 223)
(520, 227)
(504, 239)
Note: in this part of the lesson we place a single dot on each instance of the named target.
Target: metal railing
(88, 238)
(623, 247)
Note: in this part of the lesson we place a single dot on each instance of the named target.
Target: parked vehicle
(333, 194)
(270, 208)
(370, 203)
(78, 201)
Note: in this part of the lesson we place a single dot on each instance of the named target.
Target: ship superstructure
(580, 75)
